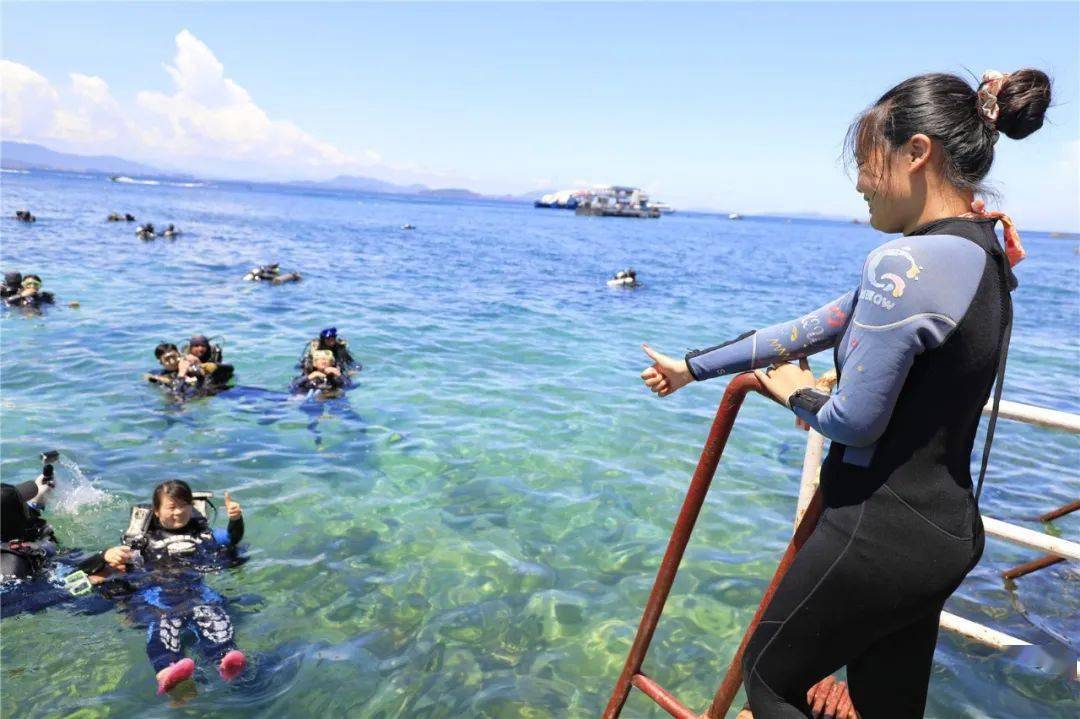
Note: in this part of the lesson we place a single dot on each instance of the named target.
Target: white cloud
(28, 102)
(207, 121)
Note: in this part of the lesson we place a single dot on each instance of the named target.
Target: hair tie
(1013, 249)
(992, 80)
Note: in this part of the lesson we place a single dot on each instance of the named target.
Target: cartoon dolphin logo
(889, 281)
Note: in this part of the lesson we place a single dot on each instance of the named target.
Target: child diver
(323, 376)
(175, 546)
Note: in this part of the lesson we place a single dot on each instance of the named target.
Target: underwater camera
(47, 460)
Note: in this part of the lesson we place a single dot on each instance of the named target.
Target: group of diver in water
(326, 367)
(154, 575)
(19, 290)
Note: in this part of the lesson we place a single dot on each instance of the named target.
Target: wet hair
(31, 277)
(945, 108)
(177, 489)
(164, 348)
(13, 278)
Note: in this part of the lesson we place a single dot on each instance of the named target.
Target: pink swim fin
(174, 674)
(232, 664)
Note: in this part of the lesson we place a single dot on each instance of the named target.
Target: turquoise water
(474, 531)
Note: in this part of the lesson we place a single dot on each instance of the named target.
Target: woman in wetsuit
(917, 348)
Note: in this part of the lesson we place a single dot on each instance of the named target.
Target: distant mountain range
(27, 156)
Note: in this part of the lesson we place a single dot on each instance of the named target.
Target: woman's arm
(914, 293)
(801, 337)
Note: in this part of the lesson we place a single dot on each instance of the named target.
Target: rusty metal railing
(807, 515)
(632, 675)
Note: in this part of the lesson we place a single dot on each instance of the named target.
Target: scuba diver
(324, 378)
(271, 273)
(24, 216)
(167, 548)
(338, 346)
(196, 371)
(12, 285)
(624, 278)
(29, 543)
(145, 232)
(170, 231)
(29, 294)
(919, 345)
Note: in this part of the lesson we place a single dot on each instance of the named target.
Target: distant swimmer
(170, 231)
(624, 278)
(145, 232)
(29, 293)
(272, 274)
(408, 227)
(117, 217)
(338, 346)
(24, 216)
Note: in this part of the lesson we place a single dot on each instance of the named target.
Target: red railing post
(695, 496)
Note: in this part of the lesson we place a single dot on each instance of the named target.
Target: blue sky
(727, 106)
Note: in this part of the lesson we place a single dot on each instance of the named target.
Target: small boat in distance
(734, 216)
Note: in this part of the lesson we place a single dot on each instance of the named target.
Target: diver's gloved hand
(666, 374)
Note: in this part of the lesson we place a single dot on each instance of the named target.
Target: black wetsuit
(28, 544)
(35, 300)
(169, 594)
(917, 347)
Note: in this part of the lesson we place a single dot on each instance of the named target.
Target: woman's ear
(919, 149)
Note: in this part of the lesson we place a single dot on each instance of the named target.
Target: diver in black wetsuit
(917, 346)
(29, 294)
(324, 377)
(28, 544)
(339, 346)
(12, 285)
(169, 546)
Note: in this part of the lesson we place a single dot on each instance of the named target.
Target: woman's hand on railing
(781, 380)
(666, 374)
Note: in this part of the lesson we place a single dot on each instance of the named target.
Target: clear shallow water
(474, 532)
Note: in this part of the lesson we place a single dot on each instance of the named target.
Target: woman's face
(170, 361)
(173, 513)
(892, 184)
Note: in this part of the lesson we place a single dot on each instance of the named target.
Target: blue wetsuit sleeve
(914, 292)
(813, 332)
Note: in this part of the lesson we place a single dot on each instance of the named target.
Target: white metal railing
(1040, 416)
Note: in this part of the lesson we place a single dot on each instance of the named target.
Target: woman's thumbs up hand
(666, 374)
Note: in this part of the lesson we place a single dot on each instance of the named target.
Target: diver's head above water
(173, 504)
(168, 355)
(923, 149)
(199, 346)
(328, 337)
(322, 360)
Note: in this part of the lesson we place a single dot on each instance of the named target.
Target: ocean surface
(473, 531)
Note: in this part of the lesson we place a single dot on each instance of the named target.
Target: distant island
(27, 156)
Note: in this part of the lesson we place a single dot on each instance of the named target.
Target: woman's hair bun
(1022, 102)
